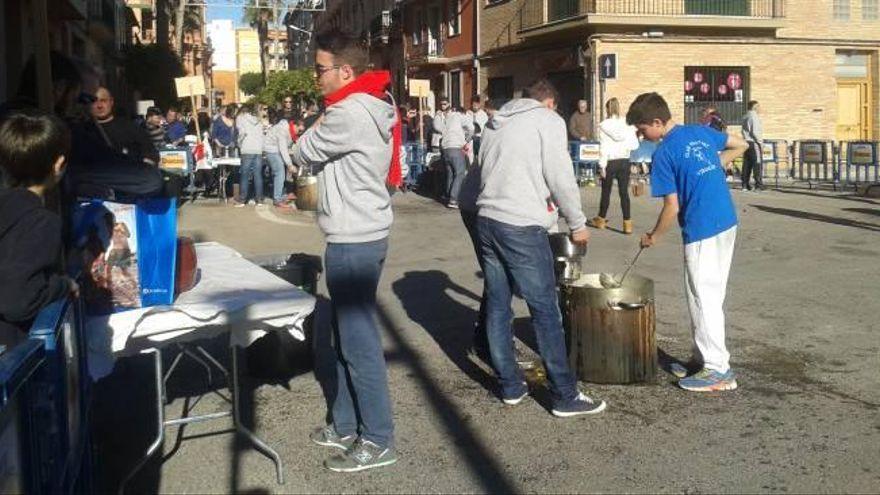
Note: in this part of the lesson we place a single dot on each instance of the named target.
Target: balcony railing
(430, 48)
(535, 13)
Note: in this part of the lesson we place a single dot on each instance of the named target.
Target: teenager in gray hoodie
(250, 145)
(351, 146)
(527, 177)
(276, 145)
(456, 132)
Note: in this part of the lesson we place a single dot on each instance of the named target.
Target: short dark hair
(752, 104)
(346, 48)
(646, 108)
(272, 115)
(30, 143)
(154, 111)
(542, 89)
(476, 99)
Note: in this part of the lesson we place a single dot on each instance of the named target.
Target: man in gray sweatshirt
(456, 131)
(753, 163)
(527, 178)
(351, 148)
(250, 144)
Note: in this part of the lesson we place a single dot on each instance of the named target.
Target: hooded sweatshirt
(250, 134)
(277, 140)
(352, 150)
(30, 251)
(527, 174)
(752, 130)
(456, 129)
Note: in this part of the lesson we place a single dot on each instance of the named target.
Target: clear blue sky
(233, 13)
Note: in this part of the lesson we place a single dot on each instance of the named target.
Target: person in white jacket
(616, 141)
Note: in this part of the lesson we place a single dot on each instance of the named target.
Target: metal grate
(727, 88)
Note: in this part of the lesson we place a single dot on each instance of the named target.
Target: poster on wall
(813, 152)
(861, 153)
(768, 152)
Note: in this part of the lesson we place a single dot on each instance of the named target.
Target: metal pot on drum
(611, 331)
(567, 257)
(307, 193)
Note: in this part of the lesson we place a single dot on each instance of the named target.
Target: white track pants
(707, 265)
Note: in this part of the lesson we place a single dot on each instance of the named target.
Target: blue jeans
(521, 256)
(353, 272)
(456, 168)
(279, 173)
(251, 168)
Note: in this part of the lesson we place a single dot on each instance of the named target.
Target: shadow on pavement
(124, 407)
(477, 457)
(425, 296)
(846, 197)
(816, 217)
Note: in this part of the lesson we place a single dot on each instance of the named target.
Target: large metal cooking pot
(563, 247)
(611, 331)
(307, 193)
(567, 257)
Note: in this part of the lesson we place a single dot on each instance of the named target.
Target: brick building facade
(439, 38)
(813, 64)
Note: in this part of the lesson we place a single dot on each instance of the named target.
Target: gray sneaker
(327, 437)
(364, 454)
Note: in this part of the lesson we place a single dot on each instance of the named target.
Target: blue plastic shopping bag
(127, 253)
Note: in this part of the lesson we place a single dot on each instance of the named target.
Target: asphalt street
(803, 331)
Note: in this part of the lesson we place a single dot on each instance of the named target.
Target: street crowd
(509, 173)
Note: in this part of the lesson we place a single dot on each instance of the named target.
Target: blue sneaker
(514, 399)
(707, 380)
(580, 405)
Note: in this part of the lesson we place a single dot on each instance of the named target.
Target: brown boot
(598, 222)
(627, 227)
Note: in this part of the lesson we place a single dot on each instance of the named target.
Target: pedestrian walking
(276, 146)
(356, 150)
(456, 131)
(527, 178)
(617, 140)
(687, 173)
(753, 162)
(249, 130)
(580, 124)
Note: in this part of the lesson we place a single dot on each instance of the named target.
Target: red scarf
(375, 83)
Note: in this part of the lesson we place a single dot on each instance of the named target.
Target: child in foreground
(33, 147)
(687, 173)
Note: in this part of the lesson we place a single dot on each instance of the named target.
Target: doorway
(854, 101)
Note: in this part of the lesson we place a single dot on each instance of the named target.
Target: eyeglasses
(320, 70)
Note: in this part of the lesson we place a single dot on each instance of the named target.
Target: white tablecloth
(231, 294)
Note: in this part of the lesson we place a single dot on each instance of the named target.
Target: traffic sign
(608, 66)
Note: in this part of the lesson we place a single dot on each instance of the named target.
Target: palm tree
(186, 18)
(258, 14)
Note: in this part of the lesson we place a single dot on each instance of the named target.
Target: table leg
(160, 423)
(268, 451)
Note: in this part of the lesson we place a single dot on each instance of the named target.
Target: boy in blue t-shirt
(687, 172)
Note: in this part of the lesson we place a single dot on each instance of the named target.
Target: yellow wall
(247, 46)
(814, 19)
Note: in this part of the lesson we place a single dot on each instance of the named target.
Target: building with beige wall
(813, 64)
